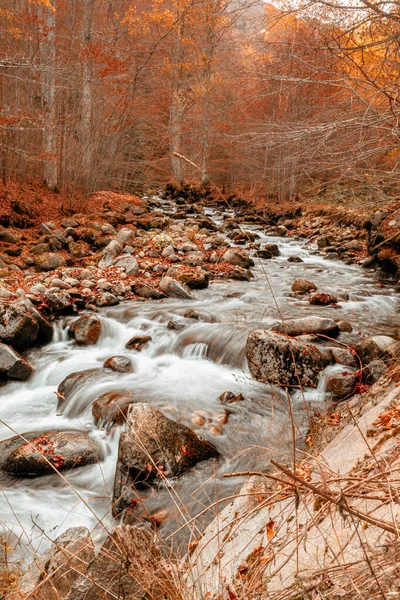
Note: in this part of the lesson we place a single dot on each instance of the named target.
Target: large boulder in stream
(32, 454)
(153, 446)
(23, 327)
(12, 365)
(317, 325)
(277, 359)
(85, 330)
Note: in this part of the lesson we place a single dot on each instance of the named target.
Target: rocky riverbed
(174, 350)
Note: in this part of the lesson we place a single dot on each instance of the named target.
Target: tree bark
(47, 49)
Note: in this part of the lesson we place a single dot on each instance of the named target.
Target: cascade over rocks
(63, 450)
(152, 446)
(274, 358)
(85, 330)
(111, 408)
(307, 325)
(71, 383)
(12, 365)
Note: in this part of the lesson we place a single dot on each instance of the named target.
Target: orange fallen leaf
(270, 530)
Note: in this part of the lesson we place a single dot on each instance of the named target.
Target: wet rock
(239, 274)
(230, 398)
(344, 357)
(129, 263)
(272, 249)
(307, 325)
(195, 278)
(12, 365)
(373, 371)
(137, 342)
(321, 299)
(153, 446)
(295, 259)
(237, 257)
(341, 385)
(63, 450)
(147, 291)
(192, 314)
(85, 330)
(174, 325)
(172, 287)
(125, 236)
(302, 286)
(378, 347)
(73, 382)
(345, 326)
(119, 364)
(111, 408)
(18, 328)
(106, 299)
(49, 261)
(276, 359)
(128, 566)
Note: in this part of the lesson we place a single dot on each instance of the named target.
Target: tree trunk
(47, 48)
(176, 107)
(86, 118)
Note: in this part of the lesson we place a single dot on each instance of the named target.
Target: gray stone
(85, 330)
(33, 454)
(49, 261)
(172, 287)
(152, 446)
(120, 364)
(274, 358)
(341, 384)
(306, 325)
(129, 263)
(12, 365)
(237, 257)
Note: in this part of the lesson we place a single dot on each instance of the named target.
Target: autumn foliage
(129, 95)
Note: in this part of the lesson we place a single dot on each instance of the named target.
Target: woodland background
(265, 99)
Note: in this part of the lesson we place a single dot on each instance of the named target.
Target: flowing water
(180, 372)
